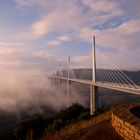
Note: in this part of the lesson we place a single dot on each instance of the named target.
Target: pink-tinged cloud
(53, 43)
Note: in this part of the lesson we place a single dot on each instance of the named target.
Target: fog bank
(22, 89)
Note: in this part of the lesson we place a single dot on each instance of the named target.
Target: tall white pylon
(93, 60)
(93, 88)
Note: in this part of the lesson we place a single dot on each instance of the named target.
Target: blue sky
(44, 31)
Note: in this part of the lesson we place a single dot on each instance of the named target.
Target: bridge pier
(59, 91)
(93, 99)
(68, 83)
(68, 93)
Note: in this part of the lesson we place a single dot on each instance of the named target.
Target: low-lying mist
(31, 90)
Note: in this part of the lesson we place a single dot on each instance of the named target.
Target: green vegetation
(35, 123)
(40, 124)
(64, 117)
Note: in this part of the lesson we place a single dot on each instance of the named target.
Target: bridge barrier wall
(125, 123)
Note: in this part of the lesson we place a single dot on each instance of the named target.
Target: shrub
(70, 114)
(57, 124)
(84, 116)
(36, 124)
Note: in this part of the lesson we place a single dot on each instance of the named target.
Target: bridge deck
(107, 85)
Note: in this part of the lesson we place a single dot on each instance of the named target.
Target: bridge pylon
(93, 88)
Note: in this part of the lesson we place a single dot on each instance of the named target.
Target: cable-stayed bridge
(110, 78)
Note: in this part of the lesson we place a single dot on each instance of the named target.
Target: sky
(34, 34)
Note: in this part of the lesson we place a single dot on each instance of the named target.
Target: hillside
(73, 123)
(97, 128)
(100, 131)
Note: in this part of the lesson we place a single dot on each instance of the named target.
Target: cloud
(85, 34)
(31, 2)
(81, 61)
(120, 44)
(54, 43)
(64, 38)
(70, 16)
(122, 38)
(109, 8)
(22, 2)
(59, 40)
(40, 28)
(10, 44)
(132, 7)
(20, 58)
(42, 54)
(4, 50)
(53, 23)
